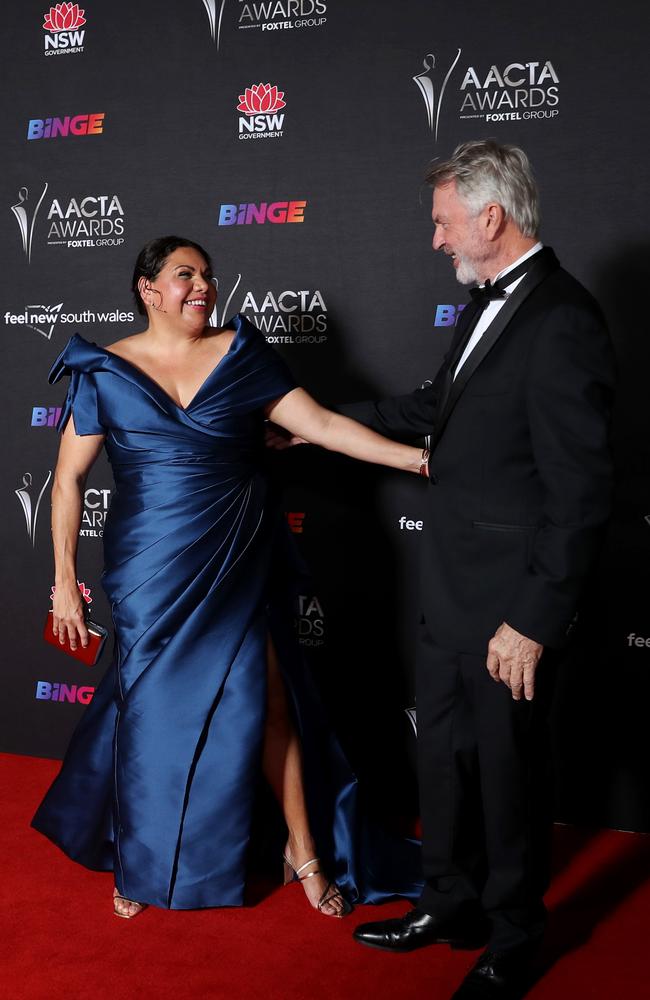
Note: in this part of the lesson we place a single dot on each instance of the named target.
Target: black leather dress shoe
(504, 975)
(417, 929)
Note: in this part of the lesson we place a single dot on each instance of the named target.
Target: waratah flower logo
(261, 98)
(64, 17)
(83, 590)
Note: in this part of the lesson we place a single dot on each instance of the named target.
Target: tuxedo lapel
(542, 265)
(463, 331)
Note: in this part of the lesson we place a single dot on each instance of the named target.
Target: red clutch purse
(85, 654)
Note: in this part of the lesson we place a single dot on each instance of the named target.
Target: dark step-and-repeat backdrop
(290, 138)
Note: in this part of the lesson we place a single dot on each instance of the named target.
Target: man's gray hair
(485, 171)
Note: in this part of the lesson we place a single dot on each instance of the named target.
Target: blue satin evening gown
(160, 777)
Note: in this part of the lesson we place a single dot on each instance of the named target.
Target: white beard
(466, 273)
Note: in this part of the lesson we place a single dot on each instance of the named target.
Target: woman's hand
(68, 616)
(278, 439)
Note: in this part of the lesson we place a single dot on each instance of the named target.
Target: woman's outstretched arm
(301, 415)
(76, 456)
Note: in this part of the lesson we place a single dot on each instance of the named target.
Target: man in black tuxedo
(519, 489)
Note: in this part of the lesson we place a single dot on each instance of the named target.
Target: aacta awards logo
(259, 105)
(30, 501)
(268, 15)
(93, 518)
(288, 317)
(310, 621)
(89, 221)
(62, 24)
(518, 91)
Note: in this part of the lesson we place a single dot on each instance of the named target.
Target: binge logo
(295, 521)
(259, 104)
(45, 416)
(58, 691)
(52, 128)
(447, 315)
(61, 24)
(277, 212)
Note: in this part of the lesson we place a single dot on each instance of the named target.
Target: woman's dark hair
(152, 258)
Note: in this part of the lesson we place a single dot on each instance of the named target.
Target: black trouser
(484, 774)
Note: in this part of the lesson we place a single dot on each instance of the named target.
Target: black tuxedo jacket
(520, 470)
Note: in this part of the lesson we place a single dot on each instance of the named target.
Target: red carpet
(59, 938)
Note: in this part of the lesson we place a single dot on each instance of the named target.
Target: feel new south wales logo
(64, 32)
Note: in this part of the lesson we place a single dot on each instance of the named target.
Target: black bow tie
(483, 294)
(486, 293)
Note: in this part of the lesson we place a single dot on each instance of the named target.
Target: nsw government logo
(62, 24)
(259, 105)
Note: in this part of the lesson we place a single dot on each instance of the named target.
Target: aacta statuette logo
(31, 503)
(426, 85)
(215, 19)
(220, 319)
(61, 24)
(26, 211)
(259, 105)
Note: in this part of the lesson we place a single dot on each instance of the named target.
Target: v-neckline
(157, 385)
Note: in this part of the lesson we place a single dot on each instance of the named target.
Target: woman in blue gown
(159, 780)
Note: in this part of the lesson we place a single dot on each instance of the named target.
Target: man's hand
(278, 439)
(513, 658)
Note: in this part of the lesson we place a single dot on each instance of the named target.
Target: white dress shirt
(491, 310)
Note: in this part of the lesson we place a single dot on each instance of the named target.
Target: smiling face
(460, 234)
(183, 288)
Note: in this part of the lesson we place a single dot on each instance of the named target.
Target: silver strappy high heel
(332, 891)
